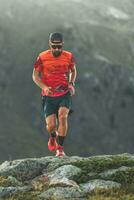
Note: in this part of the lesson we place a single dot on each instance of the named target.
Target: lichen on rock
(53, 178)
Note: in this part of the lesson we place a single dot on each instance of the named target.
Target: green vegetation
(108, 177)
(123, 194)
(24, 195)
(100, 164)
(4, 182)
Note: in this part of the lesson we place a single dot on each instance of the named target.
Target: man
(55, 73)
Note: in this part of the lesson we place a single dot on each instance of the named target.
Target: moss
(40, 186)
(27, 170)
(99, 164)
(114, 194)
(94, 165)
(91, 169)
(101, 197)
(4, 181)
(24, 196)
(32, 195)
(37, 188)
(122, 160)
(124, 177)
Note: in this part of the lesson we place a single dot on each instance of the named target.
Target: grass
(24, 196)
(122, 194)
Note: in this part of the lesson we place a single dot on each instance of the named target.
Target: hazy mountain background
(100, 34)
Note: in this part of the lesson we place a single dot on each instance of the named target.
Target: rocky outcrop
(65, 178)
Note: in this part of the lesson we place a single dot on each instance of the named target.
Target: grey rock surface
(66, 177)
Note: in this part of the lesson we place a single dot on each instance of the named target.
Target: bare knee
(63, 117)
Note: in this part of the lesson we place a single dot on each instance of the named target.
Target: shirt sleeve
(38, 64)
(72, 62)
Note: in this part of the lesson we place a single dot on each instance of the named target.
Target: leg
(63, 121)
(51, 128)
(51, 123)
(62, 129)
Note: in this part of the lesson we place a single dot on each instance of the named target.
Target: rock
(24, 169)
(9, 181)
(92, 166)
(66, 178)
(8, 191)
(99, 184)
(68, 171)
(58, 162)
(122, 174)
(61, 193)
(63, 182)
(61, 176)
(40, 182)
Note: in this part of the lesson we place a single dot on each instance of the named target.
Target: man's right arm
(36, 78)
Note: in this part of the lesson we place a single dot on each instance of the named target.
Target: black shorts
(51, 105)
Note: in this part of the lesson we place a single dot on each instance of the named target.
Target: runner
(55, 73)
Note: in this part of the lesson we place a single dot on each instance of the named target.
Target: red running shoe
(60, 151)
(52, 143)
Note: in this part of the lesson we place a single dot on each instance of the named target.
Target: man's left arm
(72, 78)
(72, 75)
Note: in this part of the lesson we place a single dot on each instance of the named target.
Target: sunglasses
(56, 46)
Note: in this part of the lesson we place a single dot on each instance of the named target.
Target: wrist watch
(72, 83)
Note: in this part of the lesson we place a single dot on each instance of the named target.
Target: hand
(47, 90)
(71, 89)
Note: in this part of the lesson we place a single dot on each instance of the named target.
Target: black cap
(56, 36)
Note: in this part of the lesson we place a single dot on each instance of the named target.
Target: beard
(56, 53)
